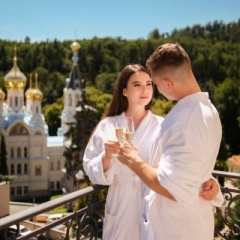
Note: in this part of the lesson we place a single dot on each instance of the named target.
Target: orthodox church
(33, 156)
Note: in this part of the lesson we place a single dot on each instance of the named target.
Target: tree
(52, 113)
(154, 34)
(3, 156)
(227, 99)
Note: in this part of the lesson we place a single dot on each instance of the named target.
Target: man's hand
(210, 190)
(128, 154)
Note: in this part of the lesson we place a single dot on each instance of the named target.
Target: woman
(132, 98)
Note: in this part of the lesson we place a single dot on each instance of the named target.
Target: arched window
(16, 101)
(19, 152)
(18, 129)
(12, 169)
(12, 153)
(25, 152)
(19, 169)
(36, 110)
(25, 168)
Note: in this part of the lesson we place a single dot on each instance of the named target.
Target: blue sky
(129, 19)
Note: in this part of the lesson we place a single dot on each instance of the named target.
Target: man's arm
(128, 155)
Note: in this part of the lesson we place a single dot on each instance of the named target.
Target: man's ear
(168, 82)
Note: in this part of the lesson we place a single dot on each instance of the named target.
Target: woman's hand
(210, 190)
(111, 147)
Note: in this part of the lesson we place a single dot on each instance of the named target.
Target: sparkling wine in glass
(124, 129)
(120, 129)
(129, 129)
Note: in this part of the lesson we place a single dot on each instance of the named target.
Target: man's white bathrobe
(125, 195)
(185, 154)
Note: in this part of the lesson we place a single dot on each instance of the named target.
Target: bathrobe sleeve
(92, 159)
(180, 165)
(219, 198)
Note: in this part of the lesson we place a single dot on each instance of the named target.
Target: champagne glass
(124, 129)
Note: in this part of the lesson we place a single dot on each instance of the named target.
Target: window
(10, 102)
(12, 169)
(12, 153)
(18, 129)
(51, 185)
(19, 169)
(16, 101)
(70, 100)
(25, 152)
(36, 110)
(38, 170)
(77, 98)
(19, 190)
(25, 168)
(58, 165)
(12, 191)
(58, 184)
(19, 152)
(51, 166)
(25, 190)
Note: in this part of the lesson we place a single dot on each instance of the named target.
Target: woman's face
(139, 90)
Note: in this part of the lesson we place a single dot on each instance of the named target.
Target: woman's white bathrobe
(185, 154)
(125, 194)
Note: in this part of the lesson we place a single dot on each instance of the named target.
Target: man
(183, 156)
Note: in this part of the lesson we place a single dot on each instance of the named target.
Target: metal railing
(86, 223)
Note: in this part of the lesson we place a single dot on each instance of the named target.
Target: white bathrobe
(124, 203)
(185, 154)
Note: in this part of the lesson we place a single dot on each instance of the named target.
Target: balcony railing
(86, 223)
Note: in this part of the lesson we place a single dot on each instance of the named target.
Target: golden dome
(15, 79)
(36, 94)
(75, 46)
(28, 93)
(2, 95)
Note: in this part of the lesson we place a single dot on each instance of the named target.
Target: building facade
(33, 156)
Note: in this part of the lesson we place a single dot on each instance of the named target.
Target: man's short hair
(167, 55)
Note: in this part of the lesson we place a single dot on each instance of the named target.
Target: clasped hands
(125, 152)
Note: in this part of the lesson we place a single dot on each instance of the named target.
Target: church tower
(15, 82)
(34, 105)
(72, 91)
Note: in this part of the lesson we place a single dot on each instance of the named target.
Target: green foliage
(105, 82)
(60, 209)
(236, 209)
(162, 107)
(227, 99)
(98, 100)
(52, 113)
(154, 34)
